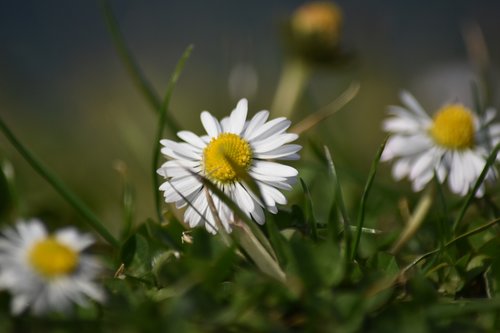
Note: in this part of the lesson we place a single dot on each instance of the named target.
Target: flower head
(453, 145)
(47, 272)
(233, 149)
(318, 19)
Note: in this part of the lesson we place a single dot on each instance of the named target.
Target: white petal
(274, 169)
(412, 103)
(258, 120)
(243, 198)
(456, 176)
(283, 152)
(401, 168)
(275, 126)
(423, 164)
(210, 124)
(272, 193)
(192, 139)
(74, 239)
(258, 215)
(274, 142)
(238, 117)
(181, 150)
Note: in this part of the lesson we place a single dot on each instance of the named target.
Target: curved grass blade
(362, 206)
(327, 111)
(91, 219)
(415, 221)
(162, 121)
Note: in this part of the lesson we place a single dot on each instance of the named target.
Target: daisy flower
(47, 272)
(453, 145)
(232, 149)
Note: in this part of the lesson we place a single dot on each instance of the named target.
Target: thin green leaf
(162, 121)
(362, 206)
(92, 220)
(339, 200)
(309, 211)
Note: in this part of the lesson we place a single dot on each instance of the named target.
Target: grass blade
(91, 219)
(339, 198)
(309, 211)
(162, 121)
(362, 206)
(131, 65)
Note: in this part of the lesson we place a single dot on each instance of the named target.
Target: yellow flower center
(50, 258)
(453, 127)
(226, 158)
(318, 17)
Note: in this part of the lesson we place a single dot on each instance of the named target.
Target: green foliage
(308, 269)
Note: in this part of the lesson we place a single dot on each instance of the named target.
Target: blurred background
(68, 97)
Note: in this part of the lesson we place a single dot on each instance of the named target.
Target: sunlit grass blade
(248, 235)
(128, 198)
(309, 211)
(238, 212)
(489, 162)
(414, 222)
(388, 283)
(362, 205)
(162, 121)
(327, 111)
(89, 217)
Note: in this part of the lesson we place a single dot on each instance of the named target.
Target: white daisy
(47, 272)
(452, 145)
(232, 148)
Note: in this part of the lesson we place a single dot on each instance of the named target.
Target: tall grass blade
(92, 220)
(362, 206)
(162, 121)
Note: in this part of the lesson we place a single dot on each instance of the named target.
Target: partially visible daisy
(232, 149)
(453, 145)
(47, 272)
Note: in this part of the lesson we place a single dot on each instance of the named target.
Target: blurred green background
(66, 94)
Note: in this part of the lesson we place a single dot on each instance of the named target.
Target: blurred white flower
(233, 149)
(453, 145)
(47, 272)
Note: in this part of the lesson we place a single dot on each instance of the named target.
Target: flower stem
(290, 87)
(91, 219)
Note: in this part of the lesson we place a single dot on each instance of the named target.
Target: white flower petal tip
(231, 146)
(453, 145)
(47, 273)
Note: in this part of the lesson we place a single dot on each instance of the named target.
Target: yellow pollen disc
(226, 158)
(51, 258)
(453, 127)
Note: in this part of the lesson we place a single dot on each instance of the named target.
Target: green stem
(290, 87)
(92, 220)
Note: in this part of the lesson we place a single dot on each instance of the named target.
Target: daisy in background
(47, 272)
(232, 149)
(453, 145)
